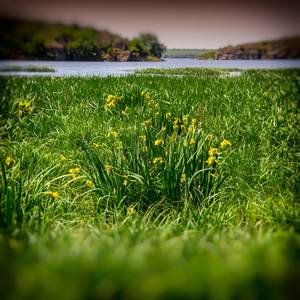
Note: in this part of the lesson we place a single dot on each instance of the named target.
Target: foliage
(31, 40)
(79, 219)
(208, 55)
(29, 68)
(188, 71)
(137, 46)
(151, 42)
(147, 44)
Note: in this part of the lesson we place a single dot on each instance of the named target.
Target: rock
(119, 43)
(123, 56)
(56, 51)
(136, 57)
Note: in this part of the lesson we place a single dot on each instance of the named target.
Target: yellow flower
(90, 184)
(132, 210)
(158, 142)
(194, 121)
(192, 128)
(211, 136)
(168, 114)
(125, 182)
(192, 141)
(113, 133)
(147, 122)
(54, 195)
(73, 171)
(157, 113)
(128, 84)
(211, 160)
(185, 120)
(142, 137)
(183, 178)
(20, 112)
(9, 160)
(212, 151)
(108, 167)
(225, 143)
(21, 103)
(182, 126)
(118, 145)
(163, 128)
(158, 159)
(214, 175)
(63, 158)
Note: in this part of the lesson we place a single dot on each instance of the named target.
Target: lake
(83, 68)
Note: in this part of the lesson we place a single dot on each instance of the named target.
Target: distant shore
(279, 49)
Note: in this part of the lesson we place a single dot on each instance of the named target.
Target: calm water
(71, 68)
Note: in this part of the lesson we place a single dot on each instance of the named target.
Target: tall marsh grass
(161, 179)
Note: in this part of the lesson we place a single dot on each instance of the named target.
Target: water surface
(83, 68)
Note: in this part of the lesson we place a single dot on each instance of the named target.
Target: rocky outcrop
(56, 51)
(120, 55)
(123, 56)
(119, 43)
(136, 57)
(286, 48)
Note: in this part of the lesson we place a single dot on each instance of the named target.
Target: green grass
(207, 55)
(185, 53)
(188, 71)
(137, 212)
(29, 68)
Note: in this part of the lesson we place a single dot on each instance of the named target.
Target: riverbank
(279, 49)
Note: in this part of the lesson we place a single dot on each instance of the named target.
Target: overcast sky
(178, 24)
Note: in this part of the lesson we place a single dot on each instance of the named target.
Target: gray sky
(178, 24)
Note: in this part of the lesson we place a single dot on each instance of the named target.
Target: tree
(136, 45)
(152, 43)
